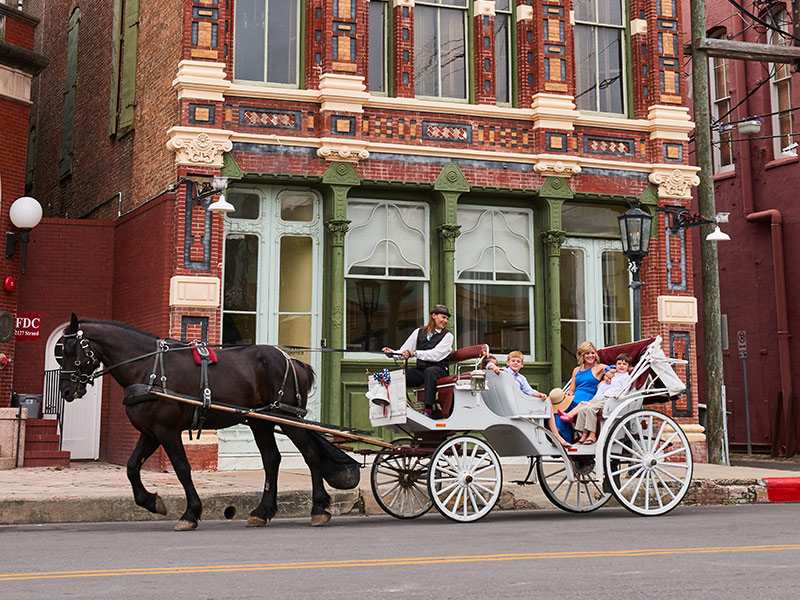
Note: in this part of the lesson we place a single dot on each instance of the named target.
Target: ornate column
(449, 185)
(554, 192)
(337, 181)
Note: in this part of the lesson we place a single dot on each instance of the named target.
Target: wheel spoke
(673, 453)
(664, 483)
(634, 453)
(661, 469)
(634, 476)
(626, 469)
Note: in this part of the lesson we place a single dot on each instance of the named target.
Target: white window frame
(530, 284)
(780, 18)
(425, 278)
(720, 106)
(439, 7)
(624, 43)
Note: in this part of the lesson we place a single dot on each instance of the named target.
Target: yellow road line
(382, 562)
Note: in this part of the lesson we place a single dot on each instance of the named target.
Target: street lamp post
(634, 229)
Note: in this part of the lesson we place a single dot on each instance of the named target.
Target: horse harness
(143, 392)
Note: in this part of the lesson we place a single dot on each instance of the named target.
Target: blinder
(86, 362)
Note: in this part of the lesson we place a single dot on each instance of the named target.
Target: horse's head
(78, 362)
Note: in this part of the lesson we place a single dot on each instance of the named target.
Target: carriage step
(46, 458)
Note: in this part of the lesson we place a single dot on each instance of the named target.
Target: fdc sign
(29, 325)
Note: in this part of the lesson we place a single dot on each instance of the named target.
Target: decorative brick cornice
(674, 182)
(554, 111)
(197, 147)
(201, 80)
(342, 150)
(557, 166)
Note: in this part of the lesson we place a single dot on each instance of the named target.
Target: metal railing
(52, 402)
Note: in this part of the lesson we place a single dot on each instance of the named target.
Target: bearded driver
(430, 345)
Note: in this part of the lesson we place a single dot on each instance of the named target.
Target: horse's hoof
(185, 526)
(253, 521)
(317, 520)
(161, 508)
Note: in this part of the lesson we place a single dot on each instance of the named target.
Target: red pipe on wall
(776, 221)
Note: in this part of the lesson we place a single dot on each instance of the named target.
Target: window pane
(572, 334)
(498, 315)
(585, 68)
(610, 69)
(573, 285)
(382, 313)
(494, 245)
(583, 218)
(616, 297)
(585, 10)
(246, 205)
(453, 50)
(238, 328)
(296, 268)
(249, 40)
(241, 272)
(609, 12)
(295, 330)
(297, 207)
(282, 41)
(501, 53)
(426, 51)
(377, 41)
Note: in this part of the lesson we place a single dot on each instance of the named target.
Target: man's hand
(407, 354)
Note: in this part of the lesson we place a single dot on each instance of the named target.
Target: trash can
(33, 402)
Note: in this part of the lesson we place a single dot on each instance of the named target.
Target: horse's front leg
(264, 434)
(144, 449)
(173, 446)
(320, 500)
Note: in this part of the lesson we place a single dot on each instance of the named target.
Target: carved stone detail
(674, 183)
(448, 233)
(334, 150)
(554, 239)
(557, 167)
(338, 229)
(199, 147)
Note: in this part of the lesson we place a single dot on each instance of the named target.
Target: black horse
(251, 377)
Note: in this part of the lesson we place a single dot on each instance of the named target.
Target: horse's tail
(338, 469)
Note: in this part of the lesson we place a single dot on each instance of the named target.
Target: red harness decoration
(212, 357)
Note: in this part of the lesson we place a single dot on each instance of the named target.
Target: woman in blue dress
(583, 384)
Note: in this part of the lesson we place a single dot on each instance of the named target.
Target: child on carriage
(515, 362)
(585, 415)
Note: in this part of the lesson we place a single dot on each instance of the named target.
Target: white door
(595, 298)
(81, 423)
(272, 289)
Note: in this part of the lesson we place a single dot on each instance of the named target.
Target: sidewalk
(96, 492)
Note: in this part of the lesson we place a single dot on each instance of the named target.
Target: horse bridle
(84, 347)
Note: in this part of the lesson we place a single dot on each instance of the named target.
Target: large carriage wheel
(399, 481)
(465, 478)
(648, 462)
(583, 495)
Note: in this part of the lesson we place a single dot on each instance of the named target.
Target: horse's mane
(120, 325)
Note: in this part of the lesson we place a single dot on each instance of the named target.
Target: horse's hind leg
(144, 449)
(173, 446)
(320, 500)
(264, 434)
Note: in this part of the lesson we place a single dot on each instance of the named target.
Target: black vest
(423, 343)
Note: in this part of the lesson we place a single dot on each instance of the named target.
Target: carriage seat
(503, 397)
(443, 406)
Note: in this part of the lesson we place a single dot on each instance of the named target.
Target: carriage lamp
(679, 218)
(477, 380)
(25, 213)
(634, 230)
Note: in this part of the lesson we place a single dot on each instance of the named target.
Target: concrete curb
(297, 503)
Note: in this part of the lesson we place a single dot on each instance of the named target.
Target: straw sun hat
(559, 399)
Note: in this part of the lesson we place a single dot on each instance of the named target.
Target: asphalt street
(743, 551)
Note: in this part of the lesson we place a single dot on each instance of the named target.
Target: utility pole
(712, 338)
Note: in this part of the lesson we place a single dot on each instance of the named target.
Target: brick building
(383, 156)
(755, 176)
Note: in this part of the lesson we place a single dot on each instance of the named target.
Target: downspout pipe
(775, 218)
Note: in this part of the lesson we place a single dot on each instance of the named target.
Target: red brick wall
(19, 33)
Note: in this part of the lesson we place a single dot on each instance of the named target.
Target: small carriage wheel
(583, 495)
(648, 462)
(399, 481)
(465, 478)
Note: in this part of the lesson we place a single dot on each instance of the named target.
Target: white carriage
(642, 457)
